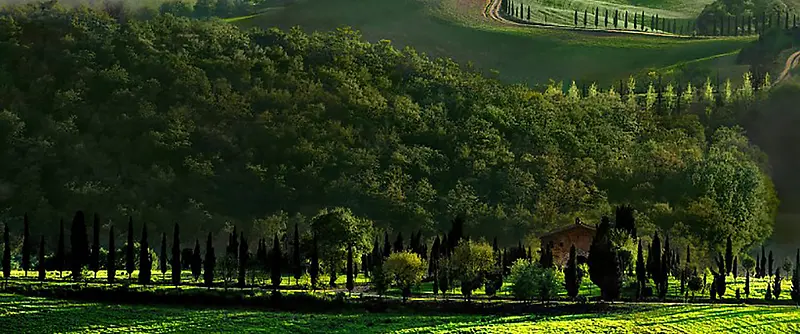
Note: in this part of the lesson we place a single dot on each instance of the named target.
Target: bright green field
(457, 29)
(40, 315)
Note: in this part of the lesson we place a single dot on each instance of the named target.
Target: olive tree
(471, 262)
(405, 269)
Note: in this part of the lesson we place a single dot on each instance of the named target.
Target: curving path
(492, 11)
(791, 63)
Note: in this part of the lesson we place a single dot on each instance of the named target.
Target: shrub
(406, 269)
(529, 280)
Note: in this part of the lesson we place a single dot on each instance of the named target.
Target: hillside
(456, 29)
(173, 120)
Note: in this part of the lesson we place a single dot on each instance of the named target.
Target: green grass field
(457, 29)
(41, 315)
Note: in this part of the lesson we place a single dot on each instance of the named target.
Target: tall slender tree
(763, 272)
(40, 263)
(176, 255)
(79, 242)
(433, 264)
(398, 243)
(94, 255)
(60, 252)
(728, 255)
(795, 293)
(387, 247)
(297, 267)
(771, 262)
(776, 286)
(313, 271)
(144, 258)
(162, 258)
(6, 252)
(243, 260)
(210, 262)
(197, 261)
(26, 245)
(275, 266)
(571, 274)
(111, 260)
(641, 272)
(130, 266)
(349, 271)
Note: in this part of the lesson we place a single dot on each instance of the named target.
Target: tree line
(705, 25)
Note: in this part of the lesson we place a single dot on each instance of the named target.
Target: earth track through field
(791, 63)
(492, 11)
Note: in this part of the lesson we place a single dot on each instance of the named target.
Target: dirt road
(791, 63)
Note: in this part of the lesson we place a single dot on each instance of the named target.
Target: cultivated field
(40, 315)
(457, 29)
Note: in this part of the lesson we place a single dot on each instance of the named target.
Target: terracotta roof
(568, 227)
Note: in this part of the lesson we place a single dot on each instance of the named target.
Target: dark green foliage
(26, 245)
(606, 18)
(111, 260)
(79, 245)
(313, 270)
(398, 243)
(40, 264)
(616, 17)
(176, 255)
(576, 17)
(735, 269)
(596, 16)
(433, 263)
(635, 20)
(209, 264)
(197, 261)
(728, 256)
(297, 265)
(768, 295)
(387, 246)
(233, 246)
(61, 254)
(654, 260)
(244, 257)
(738, 294)
(759, 260)
(349, 270)
(546, 258)
(770, 263)
(130, 266)
(162, 260)
(624, 220)
(641, 273)
(584, 17)
(379, 281)
(94, 255)
(275, 263)
(605, 267)
(144, 258)
(776, 289)
(713, 289)
(571, 282)
(795, 293)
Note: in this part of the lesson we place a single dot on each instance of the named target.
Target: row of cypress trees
(729, 25)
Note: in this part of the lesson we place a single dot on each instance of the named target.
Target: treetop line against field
(339, 237)
(729, 25)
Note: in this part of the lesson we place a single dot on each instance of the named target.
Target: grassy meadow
(456, 29)
(43, 315)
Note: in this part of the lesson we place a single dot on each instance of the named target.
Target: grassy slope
(456, 29)
(39, 315)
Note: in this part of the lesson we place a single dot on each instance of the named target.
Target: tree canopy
(178, 120)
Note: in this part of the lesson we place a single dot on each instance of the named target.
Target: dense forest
(177, 120)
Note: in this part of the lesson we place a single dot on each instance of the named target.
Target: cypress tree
(652, 22)
(795, 293)
(606, 19)
(162, 260)
(111, 261)
(771, 262)
(197, 261)
(747, 286)
(26, 245)
(233, 246)
(776, 290)
(244, 257)
(398, 243)
(636, 20)
(40, 264)
(61, 257)
(596, 16)
(641, 274)
(735, 268)
(728, 255)
(576, 17)
(313, 271)
(94, 256)
(768, 295)
(129, 258)
(713, 289)
(350, 285)
(763, 272)
(626, 19)
(666, 257)
(275, 265)
(433, 264)
(757, 273)
(663, 275)
(176, 255)
(616, 17)
(296, 262)
(654, 259)
(6, 252)
(79, 242)
(571, 274)
(584, 18)
(376, 257)
(529, 12)
(387, 247)
(210, 262)
(145, 262)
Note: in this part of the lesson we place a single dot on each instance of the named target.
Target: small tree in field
(349, 270)
(471, 261)
(406, 269)
(111, 263)
(776, 290)
(40, 265)
(210, 262)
